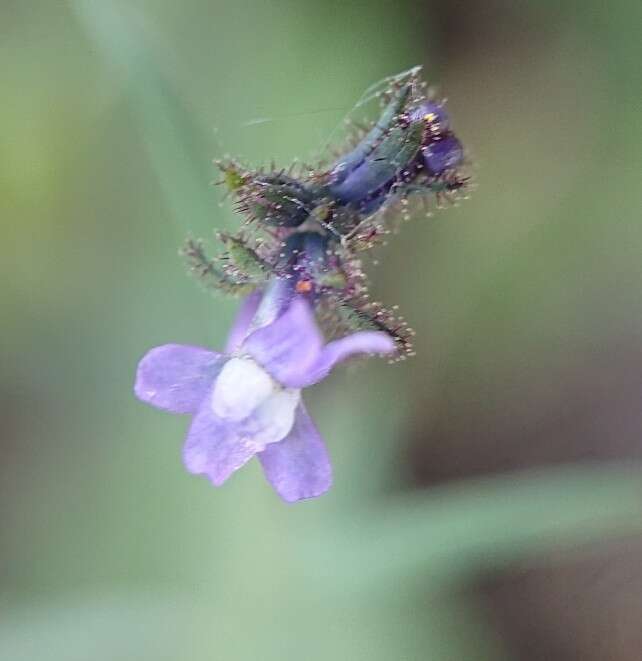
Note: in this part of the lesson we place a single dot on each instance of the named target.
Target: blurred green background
(487, 498)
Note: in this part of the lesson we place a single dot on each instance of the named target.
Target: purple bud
(441, 155)
(433, 114)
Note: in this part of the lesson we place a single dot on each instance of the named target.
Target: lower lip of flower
(248, 397)
(241, 387)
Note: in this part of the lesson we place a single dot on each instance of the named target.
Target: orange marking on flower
(303, 287)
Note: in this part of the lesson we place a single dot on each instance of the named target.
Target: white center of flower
(245, 393)
(240, 387)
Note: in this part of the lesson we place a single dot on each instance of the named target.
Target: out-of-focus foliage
(112, 113)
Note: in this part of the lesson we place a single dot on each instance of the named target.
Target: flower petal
(298, 467)
(289, 346)
(365, 342)
(240, 388)
(214, 446)
(242, 321)
(176, 377)
(272, 420)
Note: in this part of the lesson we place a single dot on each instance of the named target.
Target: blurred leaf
(451, 532)
(176, 145)
(177, 626)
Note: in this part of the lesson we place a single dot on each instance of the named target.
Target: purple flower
(247, 401)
